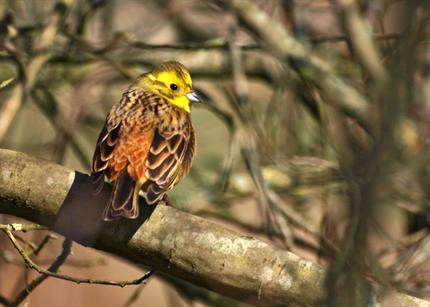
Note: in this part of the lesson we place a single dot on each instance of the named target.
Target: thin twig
(282, 44)
(361, 40)
(124, 40)
(6, 83)
(11, 106)
(343, 38)
(77, 263)
(67, 245)
(48, 98)
(77, 280)
(44, 242)
(22, 227)
(135, 296)
(27, 243)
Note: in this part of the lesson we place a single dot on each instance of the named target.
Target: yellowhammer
(147, 143)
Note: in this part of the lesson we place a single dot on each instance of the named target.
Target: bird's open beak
(193, 97)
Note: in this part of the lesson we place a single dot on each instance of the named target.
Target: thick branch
(170, 240)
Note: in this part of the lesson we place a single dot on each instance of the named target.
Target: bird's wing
(169, 159)
(106, 143)
(126, 136)
(121, 151)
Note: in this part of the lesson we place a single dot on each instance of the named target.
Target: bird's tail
(124, 200)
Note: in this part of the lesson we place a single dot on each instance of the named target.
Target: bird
(147, 144)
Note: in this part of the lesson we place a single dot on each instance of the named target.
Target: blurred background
(278, 156)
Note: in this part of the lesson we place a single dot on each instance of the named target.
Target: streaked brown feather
(120, 202)
(166, 173)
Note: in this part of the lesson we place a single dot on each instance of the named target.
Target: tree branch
(11, 106)
(171, 241)
(360, 38)
(281, 43)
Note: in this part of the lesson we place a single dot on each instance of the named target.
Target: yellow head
(172, 81)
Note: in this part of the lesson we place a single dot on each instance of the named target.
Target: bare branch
(170, 241)
(361, 40)
(51, 271)
(11, 106)
(37, 281)
(283, 45)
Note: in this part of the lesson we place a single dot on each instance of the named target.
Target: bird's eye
(173, 86)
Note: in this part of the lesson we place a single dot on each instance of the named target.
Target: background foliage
(313, 135)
